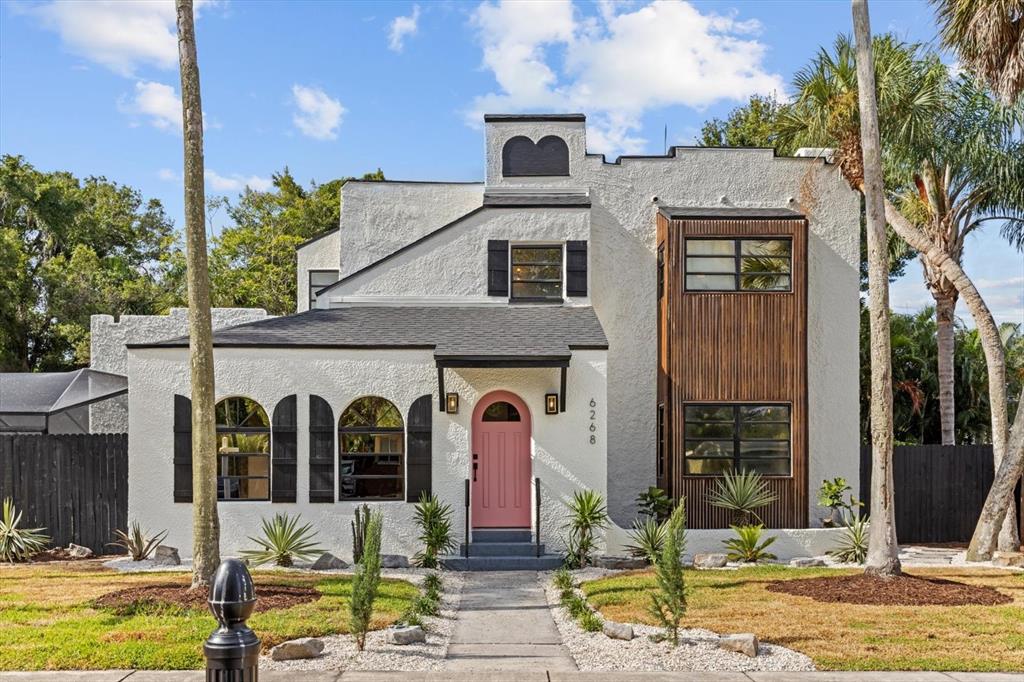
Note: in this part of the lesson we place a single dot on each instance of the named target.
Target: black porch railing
(465, 547)
(536, 502)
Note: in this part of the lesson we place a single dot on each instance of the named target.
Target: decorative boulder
(401, 636)
(306, 647)
(807, 562)
(745, 644)
(166, 556)
(710, 560)
(328, 562)
(620, 563)
(79, 552)
(1008, 559)
(617, 630)
(394, 561)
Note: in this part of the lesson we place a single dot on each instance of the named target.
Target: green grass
(840, 636)
(47, 621)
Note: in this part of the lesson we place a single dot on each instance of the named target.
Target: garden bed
(904, 590)
(143, 598)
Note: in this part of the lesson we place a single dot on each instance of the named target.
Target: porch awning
(47, 393)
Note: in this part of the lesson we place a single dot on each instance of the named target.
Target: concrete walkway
(504, 624)
(535, 675)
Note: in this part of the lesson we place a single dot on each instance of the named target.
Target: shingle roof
(536, 198)
(452, 331)
(729, 212)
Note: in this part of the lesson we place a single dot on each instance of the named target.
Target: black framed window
(717, 264)
(243, 450)
(318, 279)
(721, 438)
(371, 451)
(537, 273)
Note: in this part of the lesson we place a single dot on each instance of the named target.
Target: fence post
(233, 650)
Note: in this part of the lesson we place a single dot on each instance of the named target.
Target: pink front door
(500, 462)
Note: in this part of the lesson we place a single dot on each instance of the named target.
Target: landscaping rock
(166, 556)
(807, 562)
(1008, 559)
(618, 630)
(79, 552)
(394, 561)
(328, 562)
(620, 563)
(710, 560)
(307, 647)
(745, 644)
(412, 634)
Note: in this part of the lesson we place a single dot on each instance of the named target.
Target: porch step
(501, 549)
(545, 562)
(502, 535)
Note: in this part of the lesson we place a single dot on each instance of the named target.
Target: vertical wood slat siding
(735, 347)
(284, 450)
(74, 486)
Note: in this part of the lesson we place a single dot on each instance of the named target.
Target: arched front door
(500, 464)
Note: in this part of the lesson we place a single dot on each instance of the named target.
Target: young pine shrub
(587, 516)
(668, 603)
(747, 546)
(435, 522)
(647, 539)
(18, 544)
(590, 622)
(283, 542)
(853, 545)
(136, 542)
(366, 580)
(742, 494)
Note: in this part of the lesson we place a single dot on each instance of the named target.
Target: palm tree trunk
(883, 550)
(205, 525)
(945, 307)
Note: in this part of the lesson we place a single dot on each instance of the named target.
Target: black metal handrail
(465, 549)
(536, 487)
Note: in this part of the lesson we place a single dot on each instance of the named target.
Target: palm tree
(988, 36)
(911, 96)
(205, 524)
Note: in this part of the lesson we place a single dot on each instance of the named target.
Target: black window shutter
(321, 450)
(418, 453)
(182, 449)
(576, 268)
(283, 448)
(497, 267)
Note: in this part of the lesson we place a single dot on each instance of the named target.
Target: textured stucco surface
(563, 457)
(319, 255)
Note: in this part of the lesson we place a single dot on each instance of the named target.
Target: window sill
(536, 301)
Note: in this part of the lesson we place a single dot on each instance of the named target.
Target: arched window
(501, 412)
(371, 449)
(521, 157)
(243, 450)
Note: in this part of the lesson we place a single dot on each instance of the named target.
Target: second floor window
(318, 279)
(537, 273)
(739, 264)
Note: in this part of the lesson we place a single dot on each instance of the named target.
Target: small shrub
(283, 542)
(432, 593)
(576, 606)
(410, 617)
(566, 594)
(432, 583)
(668, 603)
(136, 542)
(743, 494)
(591, 622)
(654, 503)
(747, 545)
(359, 532)
(853, 545)
(366, 579)
(563, 579)
(587, 516)
(830, 496)
(426, 606)
(18, 544)
(435, 522)
(647, 538)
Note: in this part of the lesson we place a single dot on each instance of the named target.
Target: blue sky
(332, 89)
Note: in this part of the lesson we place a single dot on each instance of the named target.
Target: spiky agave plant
(435, 522)
(137, 542)
(747, 546)
(742, 493)
(283, 542)
(587, 516)
(18, 544)
(853, 545)
(647, 538)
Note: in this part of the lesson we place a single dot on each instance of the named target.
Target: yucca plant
(853, 545)
(742, 493)
(587, 516)
(435, 522)
(283, 542)
(18, 544)
(747, 546)
(647, 537)
(136, 542)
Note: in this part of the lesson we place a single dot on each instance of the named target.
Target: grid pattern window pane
(537, 272)
(243, 450)
(752, 437)
(372, 451)
(318, 279)
(739, 264)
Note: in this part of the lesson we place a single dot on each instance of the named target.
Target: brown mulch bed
(905, 590)
(269, 597)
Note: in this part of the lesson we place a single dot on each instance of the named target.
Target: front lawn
(840, 636)
(48, 620)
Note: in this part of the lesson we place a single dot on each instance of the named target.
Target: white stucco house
(567, 323)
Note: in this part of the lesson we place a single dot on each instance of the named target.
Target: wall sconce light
(451, 403)
(550, 403)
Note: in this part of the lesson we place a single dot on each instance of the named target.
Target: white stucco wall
(322, 254)
(563, 457)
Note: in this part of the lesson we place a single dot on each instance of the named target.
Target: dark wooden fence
(939, 489)
(74, 486)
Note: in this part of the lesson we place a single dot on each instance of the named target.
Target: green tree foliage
(71, 248)
(755, 124)
(366, 580)
(668, 602)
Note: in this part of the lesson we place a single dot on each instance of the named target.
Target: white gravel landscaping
(697, 651)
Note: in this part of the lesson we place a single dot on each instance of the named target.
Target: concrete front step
(501, 549)
(502, 535)
(545, 562)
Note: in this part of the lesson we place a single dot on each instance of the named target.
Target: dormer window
(522, 157)
(536, 273)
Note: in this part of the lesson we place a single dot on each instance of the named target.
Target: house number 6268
(593, 421)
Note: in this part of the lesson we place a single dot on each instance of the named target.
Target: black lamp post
(233, 650)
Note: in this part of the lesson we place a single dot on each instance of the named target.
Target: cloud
(168, 175)
(402, 27)
(156, 101)
(318, 115)
(618, 64)
(236, 182)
